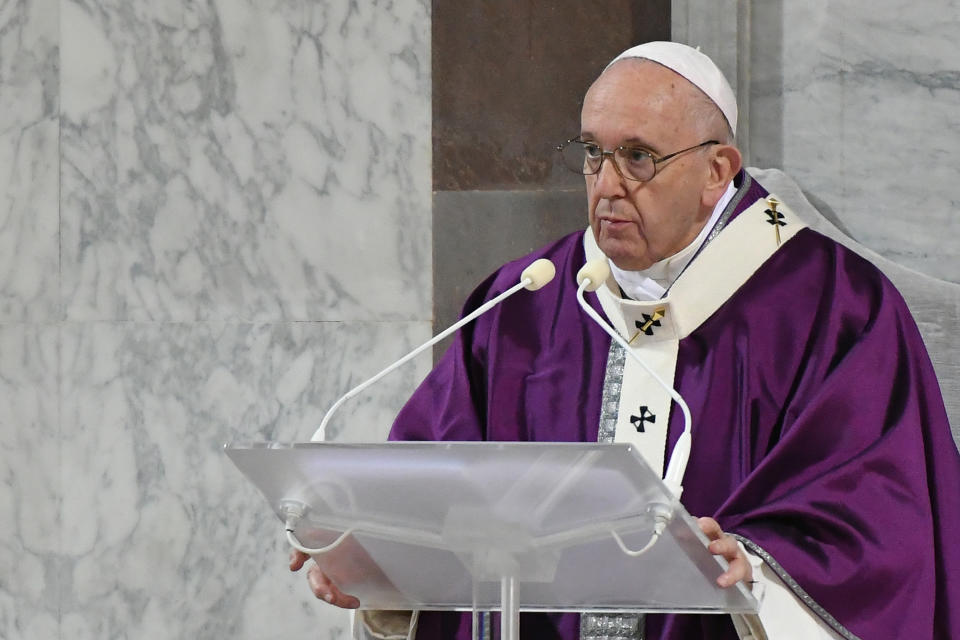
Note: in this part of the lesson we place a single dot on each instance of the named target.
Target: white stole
(654, 328)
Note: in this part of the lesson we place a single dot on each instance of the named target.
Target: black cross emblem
(775, 217)
(649, 322)
(645, 416)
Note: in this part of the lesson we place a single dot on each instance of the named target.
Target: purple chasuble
(819, 431)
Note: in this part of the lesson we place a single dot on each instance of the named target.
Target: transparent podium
(480, 526)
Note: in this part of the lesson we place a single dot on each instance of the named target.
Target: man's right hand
(320, 584)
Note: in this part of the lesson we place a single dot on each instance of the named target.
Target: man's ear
(725, 163)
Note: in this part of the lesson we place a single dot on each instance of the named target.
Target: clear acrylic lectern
(492, 525)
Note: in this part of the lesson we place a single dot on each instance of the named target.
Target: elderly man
(821, 454)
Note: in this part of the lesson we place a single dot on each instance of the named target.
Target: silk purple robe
(819, 431)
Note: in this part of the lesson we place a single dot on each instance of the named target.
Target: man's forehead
(643, 106)
(638, 77)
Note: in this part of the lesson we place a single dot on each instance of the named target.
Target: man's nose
(609, 179)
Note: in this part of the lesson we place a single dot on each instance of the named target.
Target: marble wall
(858, 102)
(216, 219)
(871, 122)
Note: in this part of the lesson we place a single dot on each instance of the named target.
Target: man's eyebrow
(640, 143)
(633, 142)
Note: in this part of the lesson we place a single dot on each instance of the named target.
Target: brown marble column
(508, 80)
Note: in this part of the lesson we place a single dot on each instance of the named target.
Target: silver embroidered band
(797, 590)
(611, 626)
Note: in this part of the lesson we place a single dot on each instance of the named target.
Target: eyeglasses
(631, 163)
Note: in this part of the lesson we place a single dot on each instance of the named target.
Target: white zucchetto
(693, 65)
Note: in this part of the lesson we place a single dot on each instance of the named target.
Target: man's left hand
(723, 544)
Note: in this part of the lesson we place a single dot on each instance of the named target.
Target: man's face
(643, 104)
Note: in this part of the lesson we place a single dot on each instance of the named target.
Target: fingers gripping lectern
(492, 526)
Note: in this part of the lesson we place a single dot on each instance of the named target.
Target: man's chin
(624, 258)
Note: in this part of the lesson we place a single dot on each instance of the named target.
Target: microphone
(590, 277)
(535, 276)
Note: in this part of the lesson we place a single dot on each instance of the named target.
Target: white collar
(651, 283)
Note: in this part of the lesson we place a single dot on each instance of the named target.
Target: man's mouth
(614, 222)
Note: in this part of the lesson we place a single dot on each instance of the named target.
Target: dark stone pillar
(508, 81)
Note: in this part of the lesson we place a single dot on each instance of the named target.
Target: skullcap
(693, 65)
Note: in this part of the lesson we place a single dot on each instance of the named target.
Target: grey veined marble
(858, 102)
(870, 94)
(216, 220)
(29, 161)
(870, 120)
(245, 160)
(121, 516)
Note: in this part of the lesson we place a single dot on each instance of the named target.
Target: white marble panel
(245, 160)
(711, 26)
(30, 494)
(29, 161)
(870, 123)
(162, 536)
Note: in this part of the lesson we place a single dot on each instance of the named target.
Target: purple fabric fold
(819, 429)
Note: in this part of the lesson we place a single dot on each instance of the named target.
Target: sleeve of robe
(373, 624)
(781, 614)
(853, 495)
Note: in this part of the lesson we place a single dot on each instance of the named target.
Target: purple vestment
(819, 431)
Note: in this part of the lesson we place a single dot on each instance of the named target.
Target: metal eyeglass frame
(612, 153)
